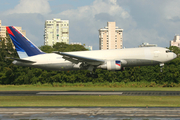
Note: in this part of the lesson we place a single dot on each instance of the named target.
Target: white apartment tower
(175, 41)
(56, 30)
(110, 37)
(2, 30)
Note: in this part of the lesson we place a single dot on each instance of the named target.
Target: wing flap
(76, 59)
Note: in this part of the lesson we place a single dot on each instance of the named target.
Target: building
(2, 30)
(56, 30)
(110, 37)
(76, 43)
(147, 45)
(175, 41)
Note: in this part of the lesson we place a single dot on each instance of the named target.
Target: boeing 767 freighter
(115, 60)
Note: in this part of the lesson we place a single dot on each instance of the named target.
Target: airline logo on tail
(23, 46)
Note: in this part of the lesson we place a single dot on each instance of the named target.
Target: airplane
(114, 60)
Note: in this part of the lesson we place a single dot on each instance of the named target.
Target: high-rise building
(110, 37)
(2, 30)
(175, 41)
(56, 30)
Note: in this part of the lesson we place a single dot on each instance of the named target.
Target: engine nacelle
(112, 65)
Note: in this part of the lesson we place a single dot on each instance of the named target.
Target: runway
(93, 113)
(120, 93)
(90, 112)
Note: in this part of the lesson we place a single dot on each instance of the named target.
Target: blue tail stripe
(16, 44)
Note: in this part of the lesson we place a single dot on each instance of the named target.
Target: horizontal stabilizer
(21, 60)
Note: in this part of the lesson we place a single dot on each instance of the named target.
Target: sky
(151, 21)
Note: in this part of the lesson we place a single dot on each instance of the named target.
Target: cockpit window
(167, 51)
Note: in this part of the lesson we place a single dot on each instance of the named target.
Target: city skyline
(142, 21)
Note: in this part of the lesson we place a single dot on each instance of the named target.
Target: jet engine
(112, 65)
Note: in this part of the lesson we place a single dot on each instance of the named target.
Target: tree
(60, 46)
(63, 47)
(175, 50)
(47, 49)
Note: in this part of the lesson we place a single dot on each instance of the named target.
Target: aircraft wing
(21, 60)
(76, 59)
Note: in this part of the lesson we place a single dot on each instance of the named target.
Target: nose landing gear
(161, 67)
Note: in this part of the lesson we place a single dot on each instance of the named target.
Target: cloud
(32, 23)
(99, 6)
(135, 37)
(149, 21)
(31, 6)
(156, 21)
(85, 21)
(171, 9)
(175, 19)
(104, 17)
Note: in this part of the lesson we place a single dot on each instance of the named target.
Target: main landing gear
(92, 73)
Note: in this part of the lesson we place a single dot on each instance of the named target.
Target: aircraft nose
(174, 55)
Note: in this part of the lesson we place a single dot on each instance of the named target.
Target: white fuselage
(128, 57)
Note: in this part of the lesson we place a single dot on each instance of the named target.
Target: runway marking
(79, 93)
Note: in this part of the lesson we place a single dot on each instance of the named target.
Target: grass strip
(82, 88)
(90, 101)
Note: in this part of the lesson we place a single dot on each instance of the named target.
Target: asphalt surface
(89, 112)
(96, 112)
(120, 93)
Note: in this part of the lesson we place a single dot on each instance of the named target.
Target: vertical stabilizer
(24, 47)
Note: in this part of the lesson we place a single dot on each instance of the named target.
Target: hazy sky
(152, 21)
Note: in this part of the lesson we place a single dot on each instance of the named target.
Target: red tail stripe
(9, 31)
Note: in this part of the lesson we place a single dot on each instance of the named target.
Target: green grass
(97, 101)
(116, 86)
(82, 88)
(86, 101)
